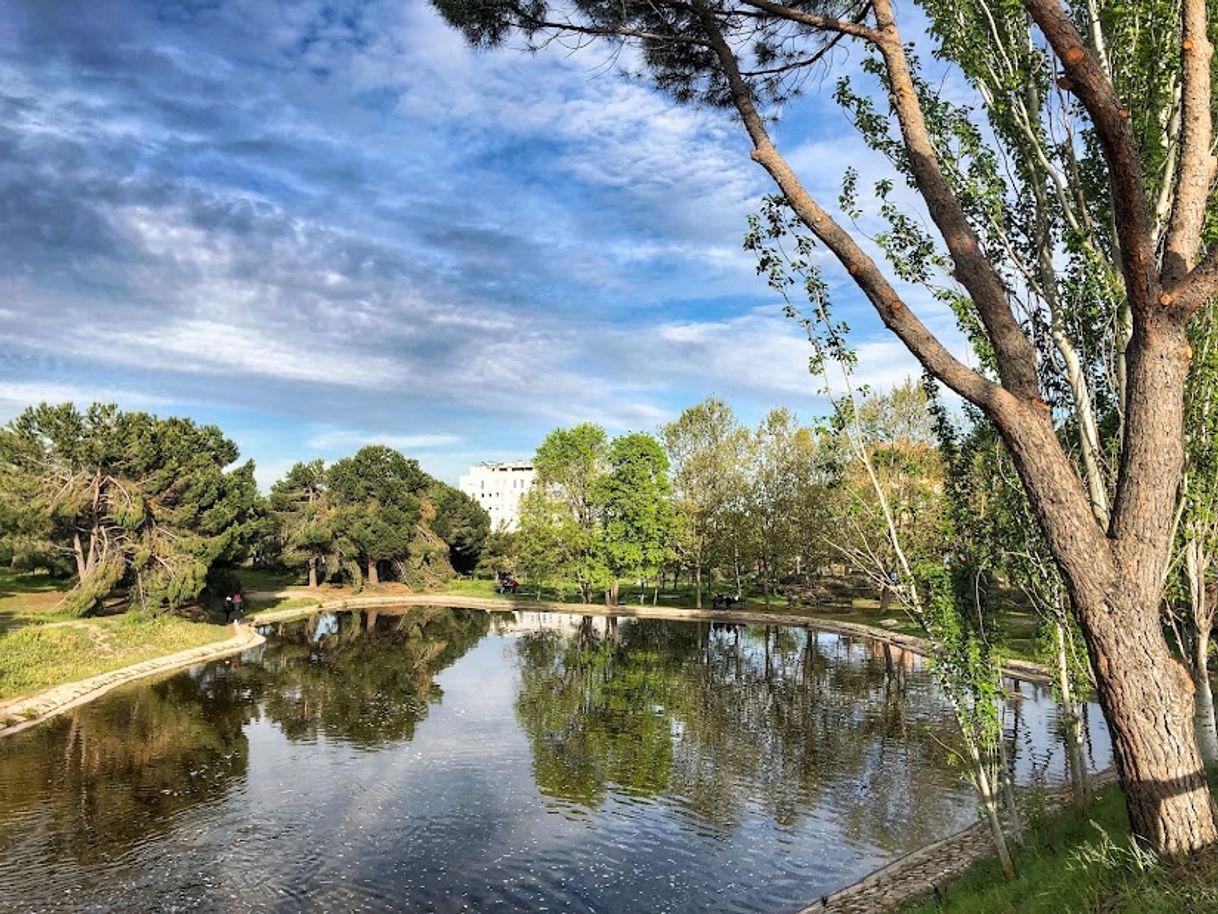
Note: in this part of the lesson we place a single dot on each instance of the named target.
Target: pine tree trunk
(372, 572)
(313, 571)
(698, 586)
(1115, 579)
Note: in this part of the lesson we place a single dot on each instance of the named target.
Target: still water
(449, 760)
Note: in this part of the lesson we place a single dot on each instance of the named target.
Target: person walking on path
(228, 607)
(237, 607)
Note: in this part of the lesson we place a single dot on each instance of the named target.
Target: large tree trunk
(698, 586)
(1115, 583)
(313, 571)
(372, 572)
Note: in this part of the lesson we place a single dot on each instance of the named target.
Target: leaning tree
(1115, 179)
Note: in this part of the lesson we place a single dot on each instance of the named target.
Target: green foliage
(1083, 863)
(128, 498)
(636, 514)
(461, 522)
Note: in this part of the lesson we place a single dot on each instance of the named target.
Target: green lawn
(36, 657)
(1073, 863)
(263, 579)
(41, 646)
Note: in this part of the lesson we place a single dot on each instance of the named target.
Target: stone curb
(925, 872)
(34, 709)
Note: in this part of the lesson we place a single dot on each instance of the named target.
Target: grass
(263, 579)
(258, 606)
(36, 657)
(1084, 864)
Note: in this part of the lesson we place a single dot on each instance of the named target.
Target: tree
(636, 514)
(461, 522)
(128, 497)
(704, 446)
(302, 504)
(377, 492)
(1111, 544)
(561, 517)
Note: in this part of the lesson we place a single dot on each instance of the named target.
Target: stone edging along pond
(34, 709)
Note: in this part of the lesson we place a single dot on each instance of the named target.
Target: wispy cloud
(346, 439)
(342, 218)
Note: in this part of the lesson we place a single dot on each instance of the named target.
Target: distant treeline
(157, 510)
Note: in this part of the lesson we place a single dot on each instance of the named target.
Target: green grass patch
(260, 606)
(263, 579)
(37, 657)
(1084, 864)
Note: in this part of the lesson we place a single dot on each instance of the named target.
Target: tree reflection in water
(727, 719)
(110, 774)
(720, 766)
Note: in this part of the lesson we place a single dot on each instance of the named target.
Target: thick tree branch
(1197, 288)
(1111, 120)
(973, 269)
(1195, 175)
(867, 275)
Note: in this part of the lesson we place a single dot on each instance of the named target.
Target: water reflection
(447, 760)
(729, 719)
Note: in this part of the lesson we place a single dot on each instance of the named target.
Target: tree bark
(313, 571)
(372, 572)
(78, 550)
(698, 586)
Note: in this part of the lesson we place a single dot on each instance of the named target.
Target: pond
(431, 759)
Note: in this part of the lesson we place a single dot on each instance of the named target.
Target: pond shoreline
(1016, 669)
(908, 879)
(30, 710)
(50, 702)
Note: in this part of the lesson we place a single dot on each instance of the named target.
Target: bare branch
(820, 23)
(867, 275)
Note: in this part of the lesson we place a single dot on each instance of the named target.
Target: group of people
(724, 601)
(233, 608)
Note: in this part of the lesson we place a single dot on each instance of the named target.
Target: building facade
(498, 487)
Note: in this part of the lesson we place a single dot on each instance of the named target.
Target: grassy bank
(42, 647)
(1073, 863)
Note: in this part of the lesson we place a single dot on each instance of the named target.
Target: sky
(320, 225)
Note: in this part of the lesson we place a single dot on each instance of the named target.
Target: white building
(498, 487)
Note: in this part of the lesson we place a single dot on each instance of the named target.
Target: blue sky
(323, 224)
